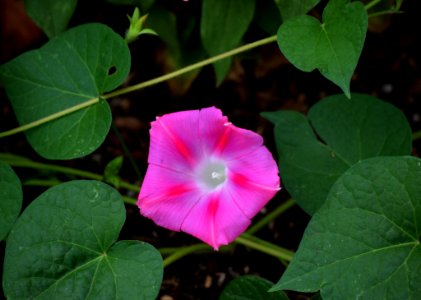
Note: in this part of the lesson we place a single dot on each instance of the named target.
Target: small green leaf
(333, 47)
(62, 247)
(250, 288)
(10, 199)
(72, 68)
(136, 26)
(364, 243)
(223, 24)
(51, 15)
(293, 8)
(111, 171)
(351, 130)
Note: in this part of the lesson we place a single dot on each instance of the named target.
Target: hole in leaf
(112, 70)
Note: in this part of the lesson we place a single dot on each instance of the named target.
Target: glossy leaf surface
(293, 8)
(63, 247)
(249, 288)
(10, 198)
(333, 46)
(74, 67)
(350, 130)
(365, 241)
(51, 15)
(223, 24)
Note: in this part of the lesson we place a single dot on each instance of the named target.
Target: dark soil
(389, 68)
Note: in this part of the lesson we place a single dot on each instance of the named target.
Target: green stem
(416, 135)
(265, 247)
(176, 253)
(53, 182)
(42, 182)
(168, 250)
(181, 252)
(49, 118)
(244, 239)
(392, 10)
(371, 4)
(384, 12)
(190, 68)
(18, 161)
(271, 216)
(138, 86)
(129, 200)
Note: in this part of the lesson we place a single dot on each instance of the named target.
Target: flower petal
(167, 196)
(174, 141)
(252, 180)
(222, 139)
(206, 176)
(216, 220)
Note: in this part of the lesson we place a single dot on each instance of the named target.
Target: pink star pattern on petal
(206, 177)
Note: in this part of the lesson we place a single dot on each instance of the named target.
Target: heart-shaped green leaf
(352, 130)
(293, 8)
(223, 24)
(10, 199)
(62, 247)
(364, 243)
(333, 46)
(51, 15)
(72, 68)
(250, 288)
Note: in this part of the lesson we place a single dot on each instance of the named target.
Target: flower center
(213, 174)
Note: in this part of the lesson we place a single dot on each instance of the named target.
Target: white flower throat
(213, 174)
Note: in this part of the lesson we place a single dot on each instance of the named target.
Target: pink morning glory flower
(206, 177)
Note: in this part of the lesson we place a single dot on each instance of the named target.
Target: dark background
(260, 80)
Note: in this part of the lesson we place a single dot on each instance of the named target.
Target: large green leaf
(364, 243)
(223, 24)
(62, 247)
(293, 8)
(10, 199)
(351, 130)
(72, 68)
(333, 46)
(51, 15)
(250, 288)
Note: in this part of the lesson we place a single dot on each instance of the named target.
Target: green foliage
(345, 163)
(51, 15)
(111, 171)
(10, 199)
(182, 50)
(223, 24)
(365, 241)
(333, 46)
(76, 66)
(164, 23)
(350, 130)
(136, 26)
(63, 247)
(293, 8)
(267, 16)
(250, 288)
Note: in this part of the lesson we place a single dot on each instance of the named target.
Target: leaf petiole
(139, 86)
